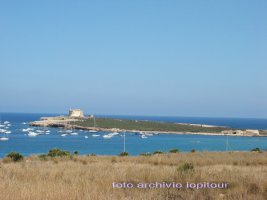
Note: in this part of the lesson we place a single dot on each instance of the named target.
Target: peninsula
(77, 120)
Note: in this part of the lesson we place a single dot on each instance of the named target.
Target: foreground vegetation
(61, 175)
(141, 125)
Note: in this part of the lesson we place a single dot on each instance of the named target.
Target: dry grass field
(91, 177)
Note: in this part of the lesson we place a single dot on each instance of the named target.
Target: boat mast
(227, 143)
(124, 142)
(94, 121)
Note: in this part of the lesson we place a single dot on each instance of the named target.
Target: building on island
(248, 132)
(76, 113)
(252, 132)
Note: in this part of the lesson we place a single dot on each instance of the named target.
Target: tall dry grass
(91, 177)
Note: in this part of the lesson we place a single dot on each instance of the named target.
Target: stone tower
(76, 113)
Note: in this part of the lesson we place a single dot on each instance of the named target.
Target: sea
(85, 143)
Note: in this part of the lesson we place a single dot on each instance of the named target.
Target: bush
(186, 167)
(124, 154)
(75, 152)
(193, 151)
(42, 157)
(92, 154)
(113, 159)
(15, 156)
(235, 163)
(158, 152)
(174, 151)
(145, 154)
(256, 149)
(253, 188)
(84, 162)
(58, 153)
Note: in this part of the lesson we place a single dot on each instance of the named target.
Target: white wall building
(76, 113)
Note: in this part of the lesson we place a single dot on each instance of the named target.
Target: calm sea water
(19, 141)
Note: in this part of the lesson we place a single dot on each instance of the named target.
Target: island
(77, 120)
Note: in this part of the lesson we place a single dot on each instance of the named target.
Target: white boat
(63, 135)
(107, 136)
(74, 133)
(4, 138)
(6, 122)
(27, 129)
(24, 123)
(93, 131)
(39, 131)
(86, 137)
(143, 136)
(47, 131)
(3, 130)
(2, 125)
(8, 132)
(95, 135)
(68, 131)
(114, 133)
(32, 134)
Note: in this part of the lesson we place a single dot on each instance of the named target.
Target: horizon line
(134, 115)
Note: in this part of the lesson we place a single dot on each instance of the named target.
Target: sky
(164, 58)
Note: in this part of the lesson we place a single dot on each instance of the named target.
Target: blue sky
(177, 58)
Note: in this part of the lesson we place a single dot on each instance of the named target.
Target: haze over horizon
(164, 58)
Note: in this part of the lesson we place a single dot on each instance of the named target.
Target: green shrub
(174, 151)
(42, 157)
(124, 154)
(145, 154)
(75, 152)
(92, 154)
(15, 156)
(256, 149)
(193, 151)
(58, 153)
(185, 168)
(158, 152)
